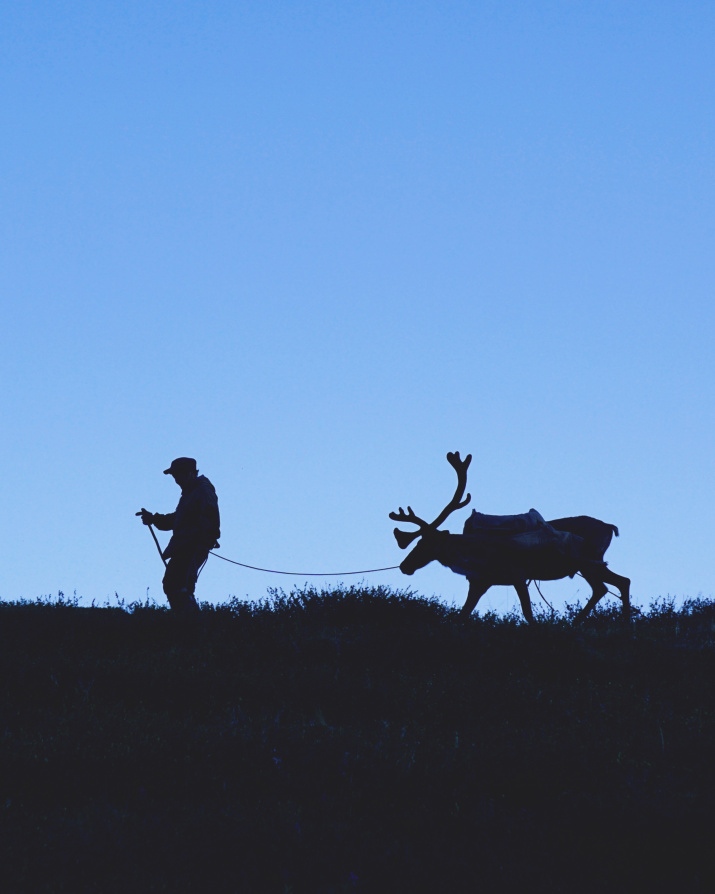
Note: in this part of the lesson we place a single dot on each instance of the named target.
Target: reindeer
(490, 561)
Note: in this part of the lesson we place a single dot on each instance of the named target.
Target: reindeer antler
(408, 516)
(460, 466)
(404, 538)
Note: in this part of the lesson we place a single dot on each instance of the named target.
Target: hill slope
(355, 740)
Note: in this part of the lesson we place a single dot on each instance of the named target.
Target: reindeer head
(428, 547)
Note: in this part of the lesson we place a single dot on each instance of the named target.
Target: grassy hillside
(355, 740)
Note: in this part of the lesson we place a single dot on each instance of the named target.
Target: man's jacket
(195, 521)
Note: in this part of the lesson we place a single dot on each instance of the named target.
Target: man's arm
(162, 522)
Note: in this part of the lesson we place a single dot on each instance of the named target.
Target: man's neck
(190, 485)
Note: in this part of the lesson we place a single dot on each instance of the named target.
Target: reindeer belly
(510, 560)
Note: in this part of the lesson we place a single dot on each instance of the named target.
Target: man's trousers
(180, 579)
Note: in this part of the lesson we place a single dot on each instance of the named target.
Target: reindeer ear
(403, 538)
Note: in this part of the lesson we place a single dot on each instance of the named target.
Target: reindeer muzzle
(406, 567)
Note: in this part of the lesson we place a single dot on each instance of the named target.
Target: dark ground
(355, 740)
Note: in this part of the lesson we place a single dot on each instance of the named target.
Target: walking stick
(151, 530)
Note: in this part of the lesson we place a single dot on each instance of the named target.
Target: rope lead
(305, 573)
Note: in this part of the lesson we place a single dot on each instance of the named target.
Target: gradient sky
(317, 245)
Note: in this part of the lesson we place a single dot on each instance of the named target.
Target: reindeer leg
(522, 591)
(599, 591)
(623, 585)
(476, 590)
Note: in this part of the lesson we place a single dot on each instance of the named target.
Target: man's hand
(147, 517)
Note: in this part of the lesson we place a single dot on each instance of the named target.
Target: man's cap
(181, 464)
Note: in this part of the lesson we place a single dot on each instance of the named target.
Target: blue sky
(317, 245)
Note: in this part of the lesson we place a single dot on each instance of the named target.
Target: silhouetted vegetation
(356, 739)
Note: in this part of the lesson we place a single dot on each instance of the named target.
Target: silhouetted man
(195, 523)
